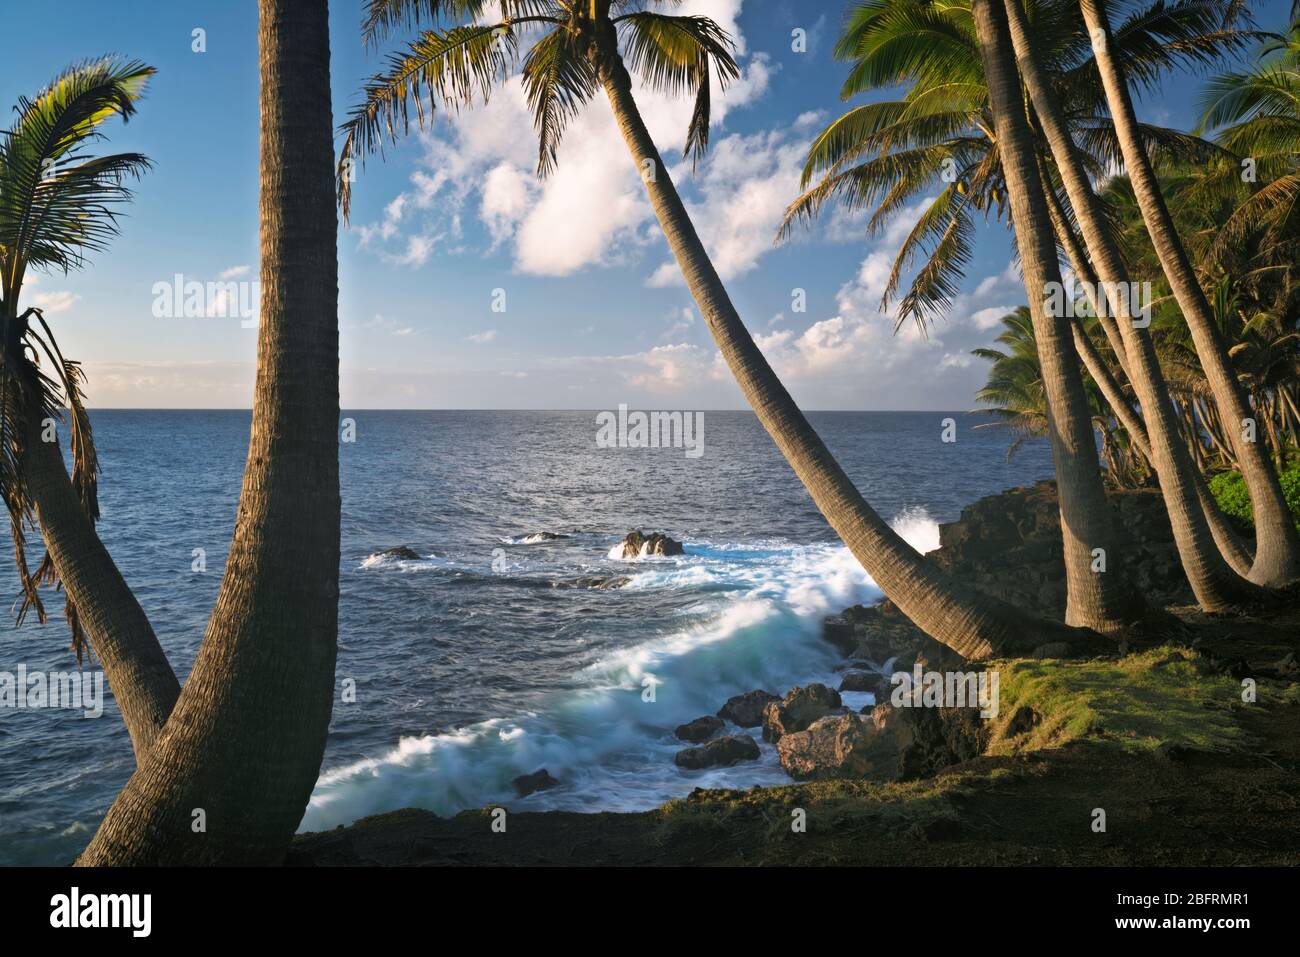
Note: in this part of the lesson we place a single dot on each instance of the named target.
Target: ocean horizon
(495, 652)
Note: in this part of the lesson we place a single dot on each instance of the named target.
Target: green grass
(1138, 702)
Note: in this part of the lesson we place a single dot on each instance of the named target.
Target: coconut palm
(1215, 583)
(1277, 546)
(58, 205)
(937, 139)
(1257, 114)
(243, 745)
(579, 50)
(1099, 595)
(1014, 393)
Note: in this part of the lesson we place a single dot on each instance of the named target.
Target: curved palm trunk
(143, 683)
(1103, 600)
(1277, 545)
(974, 625)
(1216, 586)
(245, 741)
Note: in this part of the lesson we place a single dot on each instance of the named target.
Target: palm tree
(1257, 114)
(1014, 393)
(1216, 585)
(582, 52)
(242, 749)
(1099, 596)
(58, 205)
(1277, 545)
(937, 139)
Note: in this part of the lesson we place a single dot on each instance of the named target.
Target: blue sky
(595, 313)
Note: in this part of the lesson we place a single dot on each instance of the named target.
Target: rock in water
(878, 685)
(800, 708)
(719, 753)
(837, 746)
(638, 544)
(746, 710)
(539, 780)
(701, 729)
(401, 551)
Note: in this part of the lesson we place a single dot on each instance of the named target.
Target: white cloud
(54, 302)
(234, 272)
(483, 337)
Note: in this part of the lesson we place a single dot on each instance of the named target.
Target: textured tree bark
(1277, 545)
(1104, 600)
(143, 683)
(242, 749)
(972, 624)
(1216, 586)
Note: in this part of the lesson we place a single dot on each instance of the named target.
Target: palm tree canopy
(936, 144)
(455, 64)
(58, 204)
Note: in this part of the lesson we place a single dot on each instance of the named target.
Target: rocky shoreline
(1008, 545)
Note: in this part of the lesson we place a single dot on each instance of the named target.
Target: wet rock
(701, 729)
(539, 780)
(637, 544)
(601, 584)
(865, 681)
(836, 746)
(746, 710)
(718, 753)
(840, 632)
(403, 552)
(798, 709)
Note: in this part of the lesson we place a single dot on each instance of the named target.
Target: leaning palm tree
(886, 154)
(58, 206)
(242, 749)
(1277, 543)
(588, 47)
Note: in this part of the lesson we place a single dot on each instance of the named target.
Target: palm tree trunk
(142, 680)
(242, 750)
(1277, 545)
(974, 625)
(1216, 586)
(1102, 600)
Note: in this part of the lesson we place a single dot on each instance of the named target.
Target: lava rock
(401, 551)
(718, 753)
(864, 681)
(701, 729)
(746, 710)
(837, 746)
(637, 544)
(539, 780)
(798, 709)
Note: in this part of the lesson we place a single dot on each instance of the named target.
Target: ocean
(485, 657)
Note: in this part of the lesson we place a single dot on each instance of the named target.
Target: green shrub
(1229, 490)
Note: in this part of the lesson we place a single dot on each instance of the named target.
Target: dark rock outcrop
(877, 684)
(746, 710)
(797, 710)
(404, 552)
(539, 780)
(637, 544)
(718, 753)
(701, 729)
(1009, 546)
